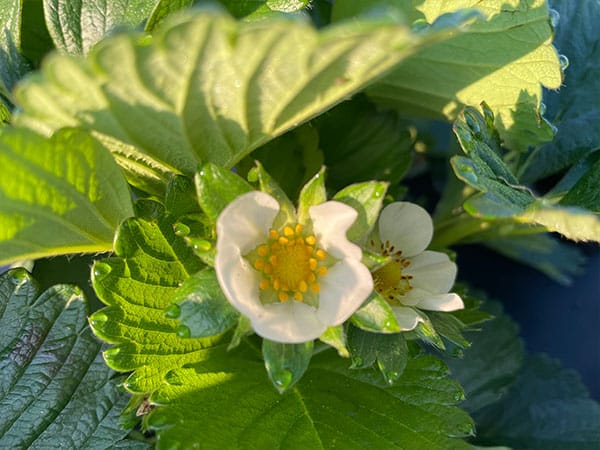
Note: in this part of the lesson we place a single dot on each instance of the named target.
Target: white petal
(289, 322)
(407, 318)
(331, 221)
(246, 221)
(407, 226)
(432, 271)
(345, 287)
(441, 302)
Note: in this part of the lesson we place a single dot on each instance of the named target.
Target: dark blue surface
(561, 321)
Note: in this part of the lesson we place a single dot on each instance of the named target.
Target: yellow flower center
(291, 265)
(389, 281)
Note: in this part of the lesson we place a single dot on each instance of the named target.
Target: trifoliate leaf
(575, 109)
(201, 307)
(77, 25)
(503, 60)
(138, 285)
(367, 199)
(206, 88)
(547, 408)
(59, 195)
(286, 363)
(331, 406)
(55, 390)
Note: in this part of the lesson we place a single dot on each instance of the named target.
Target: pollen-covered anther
(291, 264)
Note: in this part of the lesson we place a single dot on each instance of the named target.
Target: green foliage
(12, 65)
(59, 195)
(575, 109)
(77, 25)
(504, 60)
(55, 390)
(208, 89)
(138, 284)
(330, 406)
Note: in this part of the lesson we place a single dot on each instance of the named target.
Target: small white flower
(291, 281)
(415, 277)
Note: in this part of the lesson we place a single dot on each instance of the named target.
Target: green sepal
(426, 331)
(312, 193)
(287, 212)
(243, 328)
(389, 351)
(374, 261)
(376, 316)
(367, 199)
(217, 187)
(286, 363)
(336, 337)
(201, 307)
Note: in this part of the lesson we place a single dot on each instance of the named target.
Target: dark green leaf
(376, 316)
(59, 195)
(181, 197)
(586, 193)
(202, 308)
(77, 25)
(575, 108)
(228, 403)
(12, 64)
(548, 408)
(164, 8)
(217, 187)
(55, 390)
(35, 40)
(286, 363)
(138, 285)
(389, 351)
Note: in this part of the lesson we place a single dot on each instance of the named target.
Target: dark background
(562, 321)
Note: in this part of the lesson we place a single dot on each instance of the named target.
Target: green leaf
(548, 408)
(77, 25)
(206, 88)
(287, 212)
(138, 285)
(366, 199)
(389, 351)
(312, 193)
(372, 144)
(59, 195)
(35, 40)
(376, 316)
(585, 192)
(336, 338)
(201, 307)
(556, 259)
(181, 197)
(164, 8)
(12, 65)
(575, 109)
(330, 407)
(286, 363)
(491, 364)
(216, 188)
(504, 60)
(55, 390)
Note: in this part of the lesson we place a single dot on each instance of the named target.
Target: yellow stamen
(315, 288)
(264, 284)
(259, 264)
(282, 240)
(299, 227)
(311, 240)
(262, 250)
(298, 296)
(288, 231)
(321, 254)
(283, 296)
(312, 263)
(322, 271)
(303, 286)
(273, 234)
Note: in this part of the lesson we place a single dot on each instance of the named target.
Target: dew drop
(158, 421)
(98, 319)
(419, 24)
(183, 331)
(554, 17)
(564, 62)
(101, 269)
(391, 376)
(173, 311)
(542, 109)
(357, 361)
(202, 245)
(472, 123)
(181, 229)
(19, 276)
(283, 379)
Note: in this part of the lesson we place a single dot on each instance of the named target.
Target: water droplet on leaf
(391, 376)
(173, 311)
(542, 109)
(101, 269)
(564, 62)
(183, 331)
(554, 17)
(98, 319)
(283, 379)
(181, 229)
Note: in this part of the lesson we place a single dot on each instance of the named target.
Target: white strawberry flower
(295, 280)
(415, 278)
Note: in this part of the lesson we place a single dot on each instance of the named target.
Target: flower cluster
(295, 280)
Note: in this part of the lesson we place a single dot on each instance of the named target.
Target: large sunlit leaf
(138, 284)
(228, 402)
(77, 25)
(59, 195)
(206, 88)
(12, 65)
(55, 390)
(504, 60)
(575, 109)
